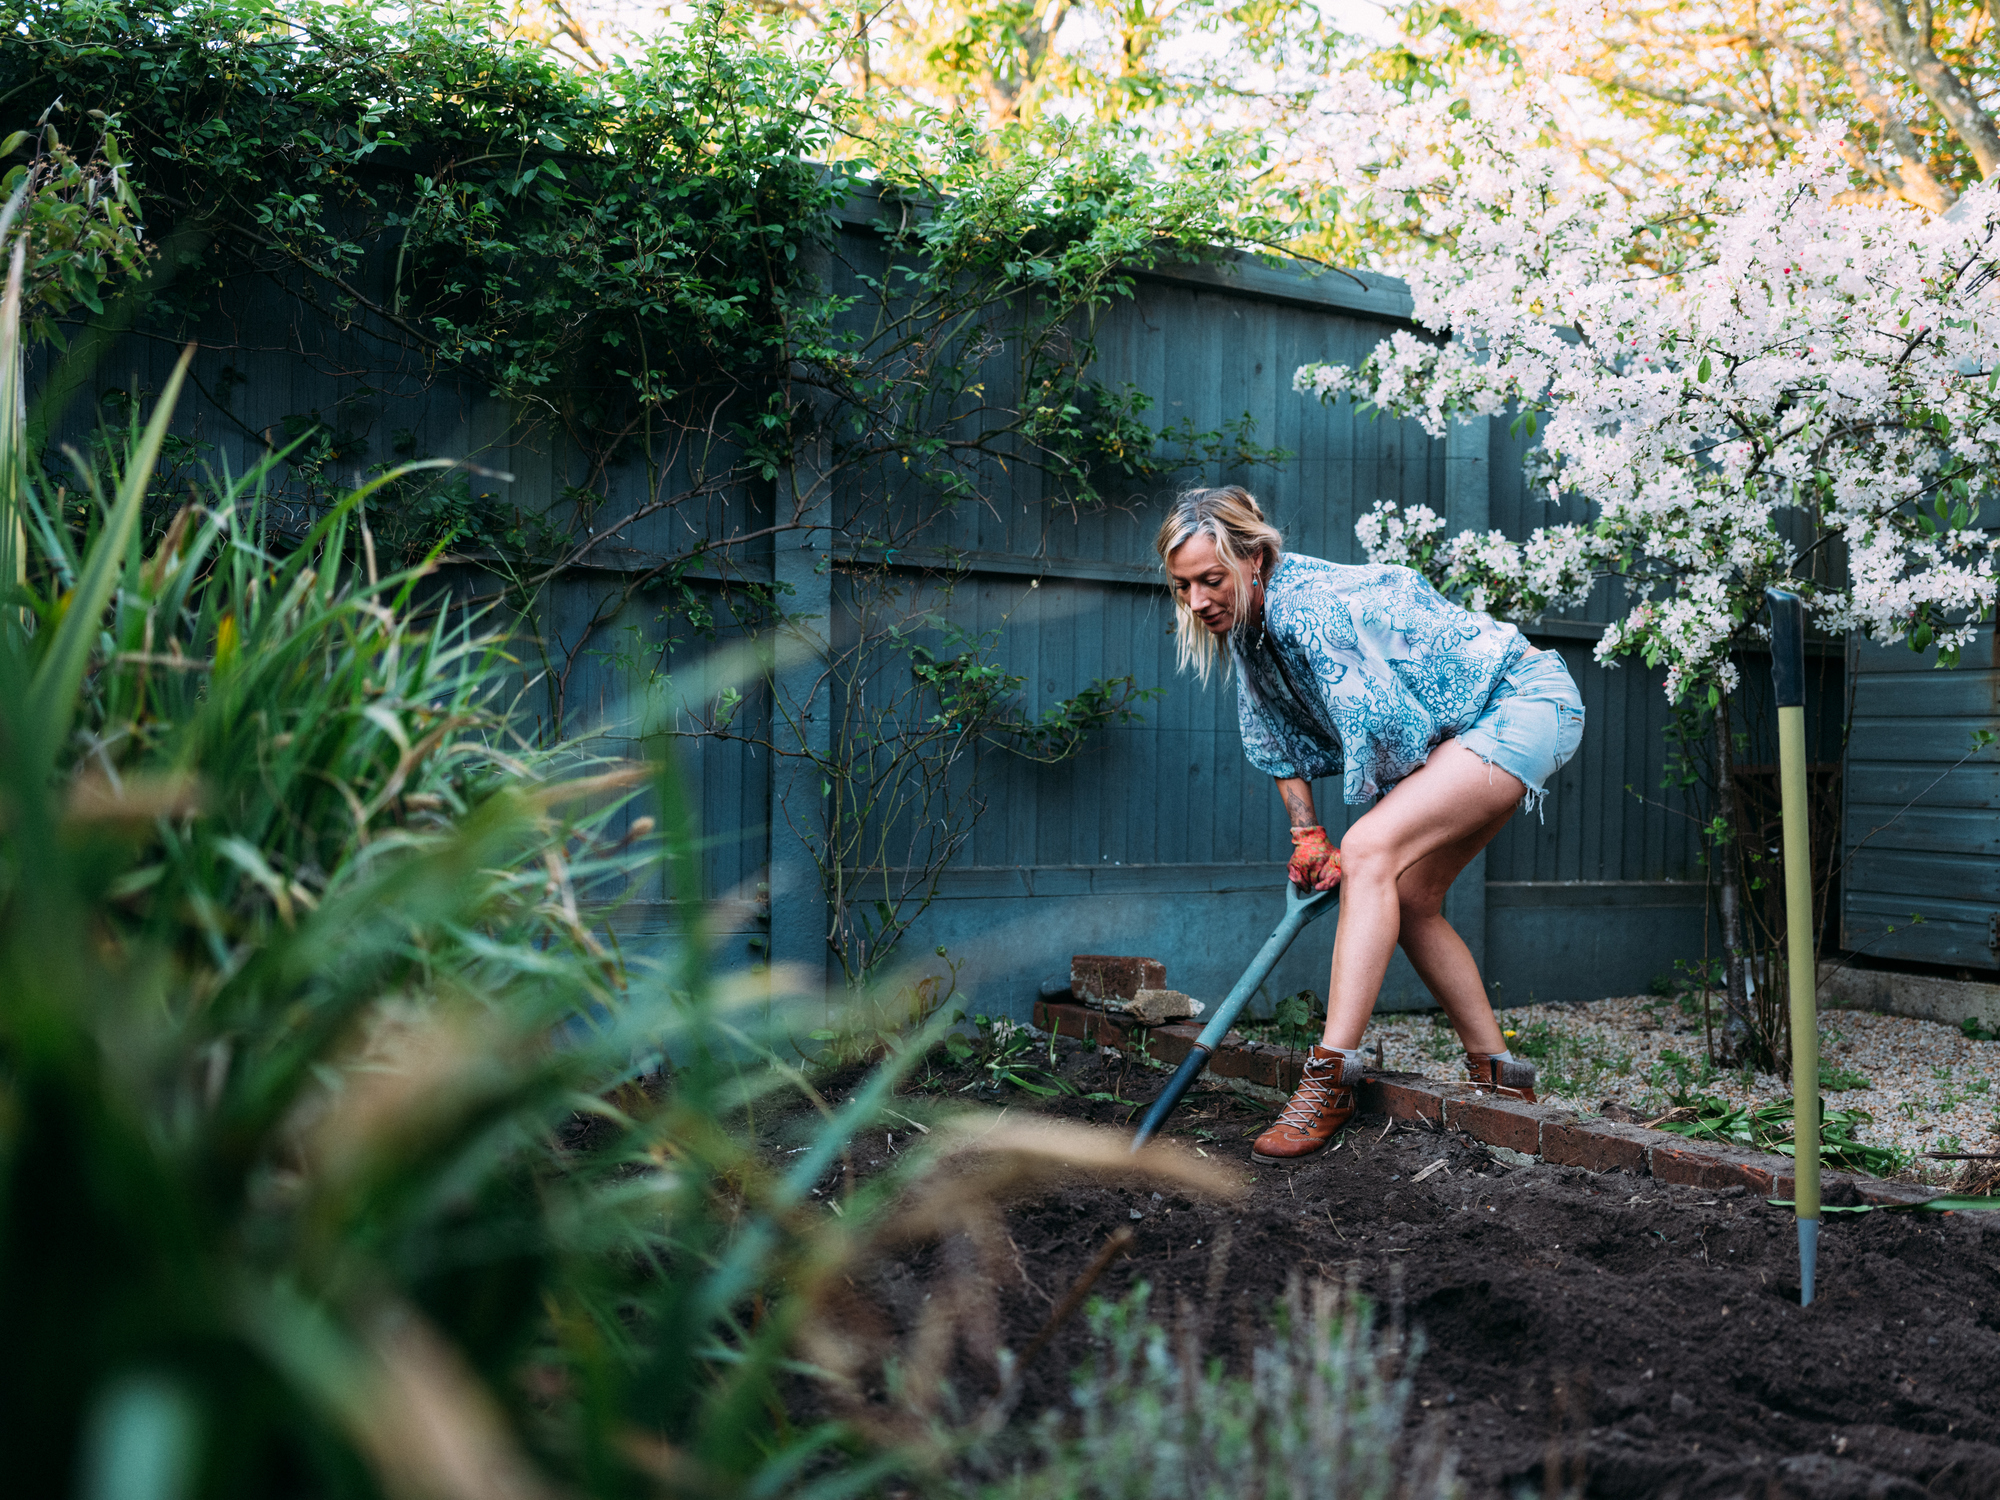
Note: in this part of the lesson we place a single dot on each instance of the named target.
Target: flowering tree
(1813, 401)
(1808, 399)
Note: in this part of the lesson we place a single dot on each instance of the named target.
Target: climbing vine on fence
(645, 264)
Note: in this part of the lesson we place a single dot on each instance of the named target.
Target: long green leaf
(60, 673)
(13, 538)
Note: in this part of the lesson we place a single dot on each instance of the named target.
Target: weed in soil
(1568, 1065)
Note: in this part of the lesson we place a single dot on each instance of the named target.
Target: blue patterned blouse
(1362, 670)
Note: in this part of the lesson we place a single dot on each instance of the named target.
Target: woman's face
(1204, 585)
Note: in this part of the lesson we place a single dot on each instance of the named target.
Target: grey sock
(1352, 1059)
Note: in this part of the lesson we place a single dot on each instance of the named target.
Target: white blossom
(1812, 402)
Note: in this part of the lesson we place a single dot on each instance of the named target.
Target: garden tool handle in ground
(1788, 681)
(1301, 907)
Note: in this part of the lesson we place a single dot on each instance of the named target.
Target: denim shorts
(1531, 725)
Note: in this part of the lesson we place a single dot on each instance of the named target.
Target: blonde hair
(1231, 518)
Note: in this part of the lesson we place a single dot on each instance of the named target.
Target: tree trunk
(1912, 47)
(1911, 175)
(1739, 1023)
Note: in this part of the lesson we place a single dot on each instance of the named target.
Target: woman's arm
(1315, 864)
(1297, 795)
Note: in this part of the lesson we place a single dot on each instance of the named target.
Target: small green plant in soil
(1833, 1077)
(1974, 1032)
(1768, 1127)
(1952, 1095)
(1296, 1023)
(1568, 1064)
(1680, 1078)
(1001, 1052)
(1440, 1043)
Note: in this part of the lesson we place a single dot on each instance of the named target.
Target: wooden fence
(1158, 838)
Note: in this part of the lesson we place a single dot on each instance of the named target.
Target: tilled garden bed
(1600, 1333)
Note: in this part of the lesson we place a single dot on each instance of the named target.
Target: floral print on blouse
(1362, 671)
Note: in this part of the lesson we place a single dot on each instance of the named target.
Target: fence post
(802, 696)
(801, 712)
(1468, 506)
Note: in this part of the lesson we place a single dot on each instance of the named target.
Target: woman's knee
(1419, 905)
(1364, 856)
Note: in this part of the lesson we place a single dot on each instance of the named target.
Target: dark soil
(1625, 1338)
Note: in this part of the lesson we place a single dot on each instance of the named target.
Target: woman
(1444, 719)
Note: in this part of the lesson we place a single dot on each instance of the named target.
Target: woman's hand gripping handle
(1315, 864)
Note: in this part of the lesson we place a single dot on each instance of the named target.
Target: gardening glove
(1315, 862)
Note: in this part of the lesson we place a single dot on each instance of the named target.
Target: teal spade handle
(1301, 909)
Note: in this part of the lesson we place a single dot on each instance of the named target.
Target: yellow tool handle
(1799, 949)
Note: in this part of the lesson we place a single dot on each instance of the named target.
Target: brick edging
(1559, 1136)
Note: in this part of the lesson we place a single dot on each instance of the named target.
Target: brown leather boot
(1322, 1103)
(1512, 1076)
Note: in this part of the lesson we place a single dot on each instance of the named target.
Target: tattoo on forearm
(1299, 804)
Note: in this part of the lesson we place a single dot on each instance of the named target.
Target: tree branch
(1911, 48)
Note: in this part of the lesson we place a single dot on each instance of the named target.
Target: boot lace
(1316, 1083)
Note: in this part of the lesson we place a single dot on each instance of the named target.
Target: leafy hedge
(580, 241)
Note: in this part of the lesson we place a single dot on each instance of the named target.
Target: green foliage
(79, 219)
(1001, 1053)
(902, 766)
(1437, 43)
(1322, 1413)
(975, 696)
(1440, 1042)
(588, 244)
(1768, 1127)
(1975, 1032)
(1834, 1077)
(1297, 1020)
(641, 262)
(1567, 1064)
(293, 1194)
(1680, 1077)
(614, 249)
(309, 716)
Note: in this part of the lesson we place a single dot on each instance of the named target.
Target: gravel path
(1925, 1086)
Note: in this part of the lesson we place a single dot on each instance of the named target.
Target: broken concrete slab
(1156, 1007)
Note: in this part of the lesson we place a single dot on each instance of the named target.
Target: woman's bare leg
(1397, 861)
(1437, 952)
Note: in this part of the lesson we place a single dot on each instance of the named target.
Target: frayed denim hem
(1535, 796)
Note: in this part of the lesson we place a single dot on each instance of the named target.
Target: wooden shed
(1921, 829)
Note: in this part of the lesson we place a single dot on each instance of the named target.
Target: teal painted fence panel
(1922, 816)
